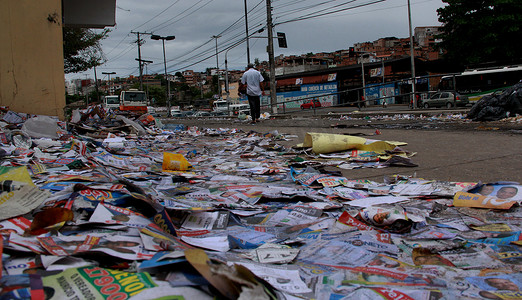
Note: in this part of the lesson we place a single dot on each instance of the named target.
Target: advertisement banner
(324, 92)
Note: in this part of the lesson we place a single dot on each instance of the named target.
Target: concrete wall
(31, 57)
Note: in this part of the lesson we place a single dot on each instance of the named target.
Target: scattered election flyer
(93, 282)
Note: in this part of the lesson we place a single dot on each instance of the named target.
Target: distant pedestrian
(254, 82)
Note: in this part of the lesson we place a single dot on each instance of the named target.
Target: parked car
(445, 99)
(188, 113)
(151, 110)
(201, 113)
(176, 113)
(311, 104)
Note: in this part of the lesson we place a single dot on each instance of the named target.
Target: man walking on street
(254, 81)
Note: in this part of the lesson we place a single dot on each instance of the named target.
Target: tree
(481, 31)
(82, 49)
(158, 93)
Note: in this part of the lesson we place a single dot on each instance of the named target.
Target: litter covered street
(110, 207)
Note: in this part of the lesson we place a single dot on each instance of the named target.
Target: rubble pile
(105, 207)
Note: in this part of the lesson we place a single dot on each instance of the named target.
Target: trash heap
(104, 207)
(498, 105)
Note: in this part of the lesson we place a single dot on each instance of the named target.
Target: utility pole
(246, 30)
(96, 81)
(412, 56)
(140, 42)
(217, 64)
(271, 61)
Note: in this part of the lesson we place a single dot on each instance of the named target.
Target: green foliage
(73, 98)
(158, 93)
(481, 31)
(82, 49)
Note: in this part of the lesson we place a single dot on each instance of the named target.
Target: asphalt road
(458, 151)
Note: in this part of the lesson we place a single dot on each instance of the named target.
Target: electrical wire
(159, 27)
(310, 16)
(283, 14)
(157, 15)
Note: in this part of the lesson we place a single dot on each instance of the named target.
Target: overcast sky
(309, 25)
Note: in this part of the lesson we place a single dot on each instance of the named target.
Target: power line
(157, 28)
(157, 14)
(311, 16)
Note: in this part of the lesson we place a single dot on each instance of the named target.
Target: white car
(151, 110)
(175, 112)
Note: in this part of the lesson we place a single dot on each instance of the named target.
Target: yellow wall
(31, 57)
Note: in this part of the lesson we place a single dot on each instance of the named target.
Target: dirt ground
(445, 150)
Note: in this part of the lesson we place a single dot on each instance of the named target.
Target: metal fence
(423, 91)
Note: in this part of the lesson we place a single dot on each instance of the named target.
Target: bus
(133, 101)
(112, 102)
(481, 82)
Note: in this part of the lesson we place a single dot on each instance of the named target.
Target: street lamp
(109, 74)
(163, 38)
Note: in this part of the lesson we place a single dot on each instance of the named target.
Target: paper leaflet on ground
(284, 278)
(216, 243)
(233, 281)
(109, 214)
(247, 193)
(297, 215)
(504, 190)
(272, 253)
(379, 277)
(372, 241)
(206, 220)
(122, 162)
(335, 253)
(471, 257)
(126, 247)
(22, 286)
(14, 225)
(18, 194)
(370, 201)
(158, 240)
(95, 283)
(328, 143)
(463, 199)
(60, 263)
(247, 238)
(16, 266)
(160, 259)
(394, 219)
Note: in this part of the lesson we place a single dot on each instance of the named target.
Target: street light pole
(109, 74)
(163, 38)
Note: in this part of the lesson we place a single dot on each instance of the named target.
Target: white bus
(223, 106)
(480, 82)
